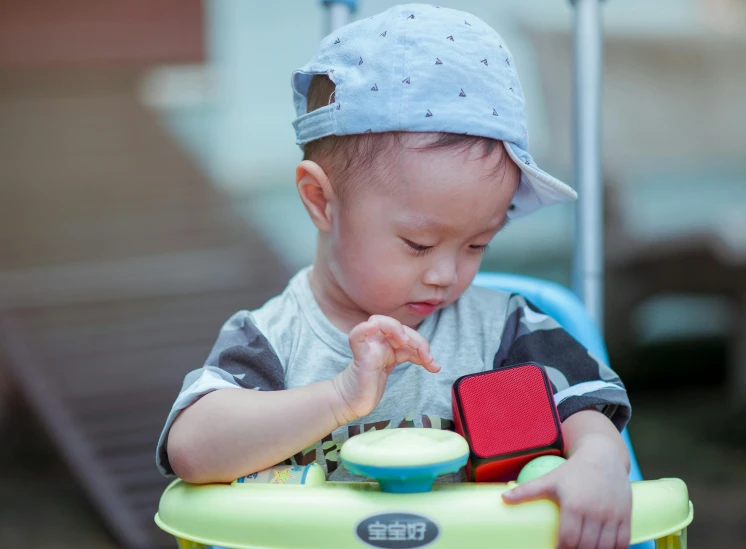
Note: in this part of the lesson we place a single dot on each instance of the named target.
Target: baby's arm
(232, 432)
(592, 488)
(590, 430)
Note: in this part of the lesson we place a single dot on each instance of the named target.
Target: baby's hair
(342, 156)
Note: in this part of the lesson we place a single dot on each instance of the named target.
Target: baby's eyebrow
(497, 227)
(424, 224)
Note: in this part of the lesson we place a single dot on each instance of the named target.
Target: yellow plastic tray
(329, 514)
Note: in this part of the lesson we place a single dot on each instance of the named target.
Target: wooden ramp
(118, 264)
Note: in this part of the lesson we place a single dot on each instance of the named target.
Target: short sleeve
(242, 357)
(580, 381)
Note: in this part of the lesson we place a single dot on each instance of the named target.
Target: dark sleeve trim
(613, 403)
(245, 353)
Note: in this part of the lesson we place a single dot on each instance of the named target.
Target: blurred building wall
(49, 33)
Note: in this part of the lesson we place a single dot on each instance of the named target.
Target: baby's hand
(378, 345)
(595, 499)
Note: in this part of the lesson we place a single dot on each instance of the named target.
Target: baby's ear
(316, 192)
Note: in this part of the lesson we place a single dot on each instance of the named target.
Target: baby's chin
(413, 319)
(399, 314)
(406, 314)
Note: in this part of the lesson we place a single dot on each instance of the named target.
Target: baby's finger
(570, 529)
(392, 328)
(362, 331)
(607, 539)
(432, 366)
(421, 349)
(623, 535)
(590, 532)
(416, 341)
(360, 338)
(544, 487)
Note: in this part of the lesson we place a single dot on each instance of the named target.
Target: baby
(413, 128)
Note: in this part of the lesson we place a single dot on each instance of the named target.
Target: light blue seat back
(566, 308)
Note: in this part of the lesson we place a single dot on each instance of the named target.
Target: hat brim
(537, 188)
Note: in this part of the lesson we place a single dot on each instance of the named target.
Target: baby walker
(293, 507)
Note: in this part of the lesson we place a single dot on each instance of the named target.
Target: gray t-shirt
(289, 343)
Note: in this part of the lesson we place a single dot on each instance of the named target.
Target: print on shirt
(330, 448)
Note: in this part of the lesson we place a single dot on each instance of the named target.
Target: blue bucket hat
(420, 68)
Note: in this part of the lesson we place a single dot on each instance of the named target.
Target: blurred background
(147, 192)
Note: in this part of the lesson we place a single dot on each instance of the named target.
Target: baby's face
(413, 244)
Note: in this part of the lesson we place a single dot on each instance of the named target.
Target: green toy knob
(538, 467)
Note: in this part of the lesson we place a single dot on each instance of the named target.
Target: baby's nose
(442, 274)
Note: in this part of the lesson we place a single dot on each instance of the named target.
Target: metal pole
(338, 15)
(587, 66)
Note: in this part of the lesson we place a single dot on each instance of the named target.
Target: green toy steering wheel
(405, 460)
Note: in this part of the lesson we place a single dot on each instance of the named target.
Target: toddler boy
(415, 155)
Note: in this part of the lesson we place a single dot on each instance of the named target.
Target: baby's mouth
(424, 308)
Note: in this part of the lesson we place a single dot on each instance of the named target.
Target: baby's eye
(419, 249)
(481, 248)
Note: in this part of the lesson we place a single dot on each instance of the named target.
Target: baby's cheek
(371, 281)
(466, 273)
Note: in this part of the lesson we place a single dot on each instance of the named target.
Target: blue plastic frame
(566, 308)
(406, 480)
